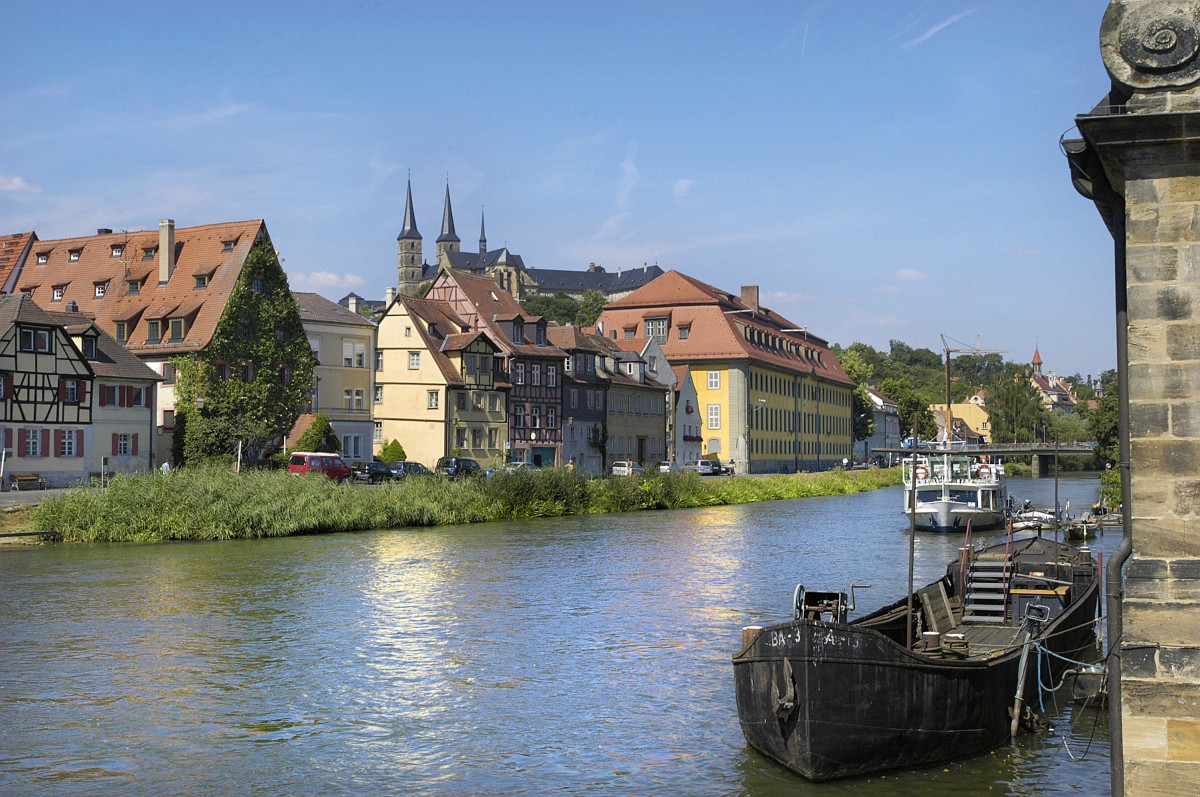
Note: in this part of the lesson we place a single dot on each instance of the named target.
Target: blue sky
(882, 170)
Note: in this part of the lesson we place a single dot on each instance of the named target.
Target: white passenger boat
(953, 488)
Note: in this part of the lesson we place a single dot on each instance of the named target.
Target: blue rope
(1063, 658)
(1041, 688)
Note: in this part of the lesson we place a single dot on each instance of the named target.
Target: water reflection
(582, 655)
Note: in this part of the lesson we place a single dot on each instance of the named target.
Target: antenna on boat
(948, 351)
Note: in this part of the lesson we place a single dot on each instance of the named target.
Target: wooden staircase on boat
(987, 590)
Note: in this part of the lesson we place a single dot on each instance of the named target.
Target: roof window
(43, 258)
(117, 250)
(147, 253)
(73, 255)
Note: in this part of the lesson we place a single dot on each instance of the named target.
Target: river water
(573, 656)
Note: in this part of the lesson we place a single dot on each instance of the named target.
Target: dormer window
(101, 289)
(227, 246)
(518, 332)
(134, 286)
(59, 290)
(89, 348)
(117, 250)
(147, 253)
(43, 258)
(73, 255)
(684, 330)
(541, 335)
(201, 281)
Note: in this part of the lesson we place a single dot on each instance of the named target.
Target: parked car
(668, 467)
(626, 468)
(512, 467)
(402, 468)
(457, 467)
(371, 472)
(707, 467)
(302, 463)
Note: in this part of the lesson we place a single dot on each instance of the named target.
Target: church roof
(409, 231)
(448, 222)
(568, 281)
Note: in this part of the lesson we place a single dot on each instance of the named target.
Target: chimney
(104, 231)
(389, 295)
(750, 296)
(352, 304)
(166, 250)
(592, 267)
(72, 307)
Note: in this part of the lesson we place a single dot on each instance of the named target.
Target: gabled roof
(196, 249)
(14, 250)
(112, 359)
(567, 281)
(475, 261)
(721, 326)
(490, 303)
(317, 309)
(449, 332)
(18, 307)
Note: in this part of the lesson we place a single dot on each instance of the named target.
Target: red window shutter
(122, 396)
(45, 443)
(62, 390)
(83, 386)
(79, 442)
(114, 444)
(58, 438)
(8, 385)
(103, 396)
(20, 442)
(133, 446)
(8, 438)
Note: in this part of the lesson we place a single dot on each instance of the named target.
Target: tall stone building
(1139, 161)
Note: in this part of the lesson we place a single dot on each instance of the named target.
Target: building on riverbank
(73, 402)
(773, 397)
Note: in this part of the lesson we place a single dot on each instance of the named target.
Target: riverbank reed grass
(213, 503)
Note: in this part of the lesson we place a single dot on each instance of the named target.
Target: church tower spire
(448, 241)
(482, 234)
(409, 249)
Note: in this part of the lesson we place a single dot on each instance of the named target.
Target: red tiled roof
(483, 302)
(720, 327)
(13, 251)
(197, 250)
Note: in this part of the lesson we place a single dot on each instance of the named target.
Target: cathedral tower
(409, 249)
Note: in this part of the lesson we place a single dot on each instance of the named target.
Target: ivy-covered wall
(255, 376)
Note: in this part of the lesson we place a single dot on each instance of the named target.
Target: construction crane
(948, 350)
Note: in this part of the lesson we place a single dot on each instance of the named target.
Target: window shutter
(20, 442)
(58, 438)
(83, 386)
(103, 403)
(8, 439)
(62, 389)
(45, 442)
(133, 447)
(122, 396)
(79, 442)
(114, 444)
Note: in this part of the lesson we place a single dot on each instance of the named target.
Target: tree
(590, 308)
(319, 437)
(913, 408)
(1015, 409)
(392, 452)
(255, 375)
(863, 414)
(557, 307)
(855, 366)
(1102, 424)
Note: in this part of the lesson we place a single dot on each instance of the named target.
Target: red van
(304, 462)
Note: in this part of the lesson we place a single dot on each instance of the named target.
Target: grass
(213, 503)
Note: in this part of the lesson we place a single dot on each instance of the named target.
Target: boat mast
(912, 525)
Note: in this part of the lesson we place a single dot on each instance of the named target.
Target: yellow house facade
(973, 415)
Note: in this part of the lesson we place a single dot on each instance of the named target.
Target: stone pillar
(1035, 463)
(1140, 161)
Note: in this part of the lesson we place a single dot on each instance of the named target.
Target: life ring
(984, 472)
(921, 471)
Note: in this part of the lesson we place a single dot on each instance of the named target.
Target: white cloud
(938, 28)
(911, 275)
(206, 117)
(683, 187)
(17, 185)
(317, 281)
(786, 297)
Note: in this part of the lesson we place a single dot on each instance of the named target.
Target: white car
(706, 467)
(668, 467)
(627, 468)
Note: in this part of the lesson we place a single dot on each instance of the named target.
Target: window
(122, 331)
(599, 400)
(432, 399)
(469, 363)
(201, 280)
(257, 285)
(116, 250)
(460, 400)
(360, 400)
(108, 395)
(89, 348)
(133, 287)
(43, 258)
(460, 437)
(535, 374)
(684, 330)
(630, 332)
(714, 381)
(493, 435)
(551, 417)
(168, 373)
(518, 331)
(58, 293)
(414, 360)
(714, 416)
(656, 328)
(153, 331)
(493, 402)
(36, 340)
(73, 255)
(519, 416)
(168, 419)
(33, 442)
(377, 432)
(137, 396)
(378, 360)
(71, 392)
(540, 335)
(518, 373)
(653, 364)
(360, 355)
(476, 438)
(148, 253)
(378, 394)
(123, 445)
(408, 332)
(227, 246)
(551, 376)
(535, 416)
(485, 364)
(348, 399)
(591, 402)
(176, 329)
(101, 289)
(575, 398)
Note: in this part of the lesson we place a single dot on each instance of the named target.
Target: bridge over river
(1041, 453)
